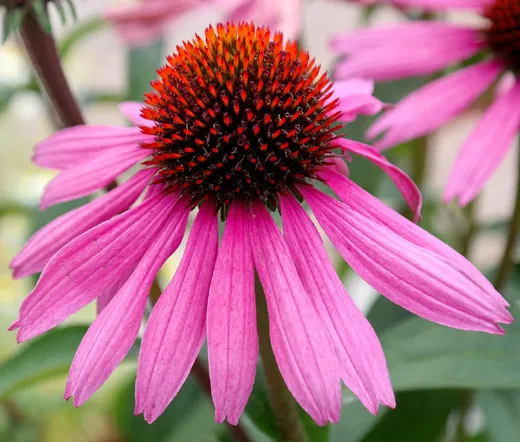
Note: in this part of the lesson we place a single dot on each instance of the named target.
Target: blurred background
(103, 71)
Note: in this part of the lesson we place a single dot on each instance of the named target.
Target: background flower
(425, 47)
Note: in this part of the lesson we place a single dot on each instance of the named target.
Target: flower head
(425, 47)
(240, 123)
(240, 116)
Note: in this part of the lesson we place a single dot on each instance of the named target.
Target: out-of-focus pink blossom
(425, 47)
(142, 23)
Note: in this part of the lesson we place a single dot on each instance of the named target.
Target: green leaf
(419, 416)
(42, 358)
(424, 355)
(61, 11)
(259, 410)
(12, 21)
(72, 8)
(502, 414)
(42, 15)
(141, 68)
(385, 314)
(43, 218)
(136, 429)
(355, 421)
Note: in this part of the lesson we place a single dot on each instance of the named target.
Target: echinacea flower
(425, 47)
(240, 124)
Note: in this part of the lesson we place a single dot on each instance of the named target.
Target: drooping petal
(356, 98)
(404, 183)
(93, 174)
(132, 111)
(176, 328)
(411, 276)
(361, 360)
(485, 148)
(433, 105)
(406, 50)
(114, 331)
(73, 146)
(301, 345)
(89, 265)
(231, 321)
(358, 199)
(51, 238)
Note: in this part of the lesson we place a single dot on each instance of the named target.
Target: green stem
(471, 228)
(419, 160)
(507, 261)
(283, 404)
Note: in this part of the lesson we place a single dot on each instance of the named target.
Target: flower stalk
(283, 404)
(42, 51)
(507, 261)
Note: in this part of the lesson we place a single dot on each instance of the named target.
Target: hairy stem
(283, 404)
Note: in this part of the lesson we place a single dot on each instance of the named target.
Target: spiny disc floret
(239, 115)
(503, 33)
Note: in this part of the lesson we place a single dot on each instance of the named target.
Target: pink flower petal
(114, 331)
(231, 321)
(411, 276)
(49, 239)
(299, 338)
(176, 328)
(406, 50)
(404, 183)
(89, 265)
(132, 111)
(358, 199)
(485, 148)
(433, 105)
(356, 98)
(361, 359)
(92, 175)
(72, 146)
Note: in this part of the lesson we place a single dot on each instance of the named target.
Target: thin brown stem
(42, 51)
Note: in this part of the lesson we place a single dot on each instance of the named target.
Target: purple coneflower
(425, 47)
(240, 125)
